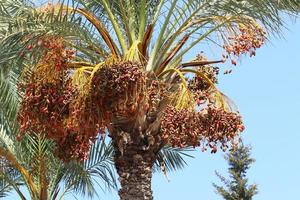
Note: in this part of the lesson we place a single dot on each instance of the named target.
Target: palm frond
(10, 179)
(201, 19)
(172, 158)
(5, 187)
(10, 153)
(9, 99)
(81, 177)
(28, 24)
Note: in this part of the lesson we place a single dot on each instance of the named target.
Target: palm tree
(29, 162)
(93, 68)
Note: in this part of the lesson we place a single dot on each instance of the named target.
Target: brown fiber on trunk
(135, 174)
(134, 160)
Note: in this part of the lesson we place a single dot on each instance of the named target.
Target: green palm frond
(172, 159)
(81, 177)
(9, 99)
(10, 179)
(5, 187)
(6, 141)
(132, 25)
(28, 24)
(36, 152)
(10, 175)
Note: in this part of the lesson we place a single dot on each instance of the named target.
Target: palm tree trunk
(134, 164)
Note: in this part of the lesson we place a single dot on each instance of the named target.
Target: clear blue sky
(266, 89)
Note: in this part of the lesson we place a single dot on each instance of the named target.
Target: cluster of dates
(118, 89)
(48, 101)
(48, 109)
(247, 41)
(45, 108)
(74, 147)
(86, 119)
(200, 87)
(55, 54)
(156, 93)
(211, 126)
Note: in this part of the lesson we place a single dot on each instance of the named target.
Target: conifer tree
(237, 188)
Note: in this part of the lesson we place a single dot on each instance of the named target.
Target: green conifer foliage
(236, 187)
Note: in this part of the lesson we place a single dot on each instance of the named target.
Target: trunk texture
(134, 159)
(135, 177)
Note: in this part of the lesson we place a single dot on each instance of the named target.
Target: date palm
(96, 68)
(29, 162)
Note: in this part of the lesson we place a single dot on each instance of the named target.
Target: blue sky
(266, 89)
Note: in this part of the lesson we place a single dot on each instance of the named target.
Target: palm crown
(88, 68)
